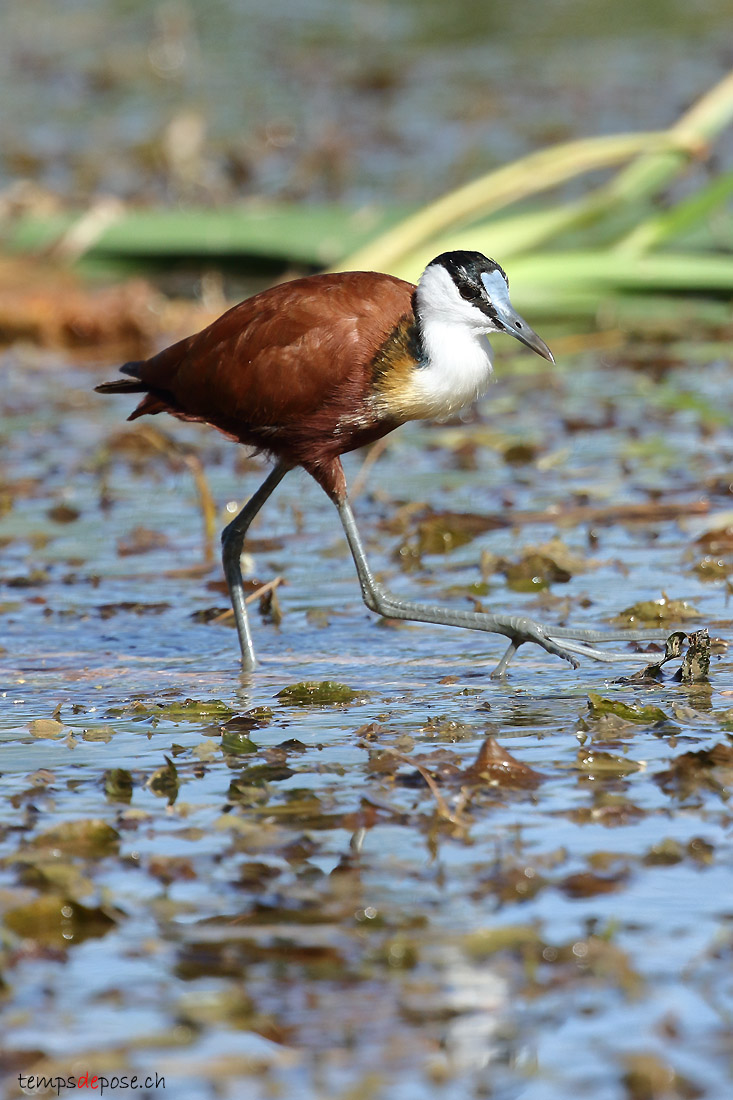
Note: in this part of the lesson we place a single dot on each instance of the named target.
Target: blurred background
(330, 99)
(356, 113)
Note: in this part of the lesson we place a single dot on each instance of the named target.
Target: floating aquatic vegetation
(662, 610)
(630, 712)
(57, 921)
(317, 693)
(165, 781)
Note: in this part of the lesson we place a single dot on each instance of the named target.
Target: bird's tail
(154, 401)
(125, 385)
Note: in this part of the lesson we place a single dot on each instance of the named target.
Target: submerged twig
(599, 515)
(455, 817)
(268, 586)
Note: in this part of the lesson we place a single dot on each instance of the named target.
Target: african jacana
(311, 369)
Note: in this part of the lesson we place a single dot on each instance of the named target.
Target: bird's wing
(284, 353)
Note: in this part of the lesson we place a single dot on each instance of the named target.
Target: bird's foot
(565, 642)
(569, 643)
(520, 629)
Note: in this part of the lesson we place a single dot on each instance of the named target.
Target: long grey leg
(517, 628)
(232, 540)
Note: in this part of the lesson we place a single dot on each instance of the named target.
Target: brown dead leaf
(710, 769)
(142, 540)
(533, 571)
(441, 532)
(587, 884)
(497, 767)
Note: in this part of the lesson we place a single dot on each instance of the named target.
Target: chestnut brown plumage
(285, 371)
(314, 368)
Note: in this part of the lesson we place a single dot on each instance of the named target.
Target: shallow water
(298, 918)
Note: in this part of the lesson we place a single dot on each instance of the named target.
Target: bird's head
(470, 290)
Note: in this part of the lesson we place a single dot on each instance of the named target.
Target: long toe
(558, 650)
(523, 629)
(606, 656)
(582, 634)
(500, 671)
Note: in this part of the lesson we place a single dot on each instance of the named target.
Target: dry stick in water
(454, 816)
(269, 586)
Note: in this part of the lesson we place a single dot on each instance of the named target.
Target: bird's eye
(470, 292)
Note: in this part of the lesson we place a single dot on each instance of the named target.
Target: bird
(310, 369)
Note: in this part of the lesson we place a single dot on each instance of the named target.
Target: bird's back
(285, 353)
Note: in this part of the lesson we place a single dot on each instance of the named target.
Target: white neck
(457, 361)
(457, 369)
